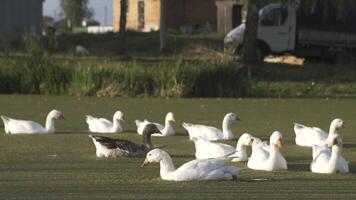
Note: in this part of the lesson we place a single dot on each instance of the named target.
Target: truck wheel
(344, 58)
(261, 54)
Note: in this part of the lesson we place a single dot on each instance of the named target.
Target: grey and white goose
(109, 147)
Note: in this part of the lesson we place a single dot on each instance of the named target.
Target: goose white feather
(310, 136)
(102, 125)
(207, 149)
(328, 161)
(166, 130)
(17, 126)
(267, 159)
(199, 169)
(211, 133)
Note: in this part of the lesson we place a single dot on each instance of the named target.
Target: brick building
(185, 15)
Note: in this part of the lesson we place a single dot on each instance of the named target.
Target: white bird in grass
(102, 125)
(208, 149)
(329, 161)
(17, 126)
(211, 133)
(166, 130)
(199, 169)
(267, 159)
(310, 136)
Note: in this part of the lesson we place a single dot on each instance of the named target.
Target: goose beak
(61, 116)
(173, 119)
(344, 125)
(280, 143)
(145, 163)
(335, 141)
(122, 119)
(237, 118)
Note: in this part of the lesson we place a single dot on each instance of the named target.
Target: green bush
(39, 72)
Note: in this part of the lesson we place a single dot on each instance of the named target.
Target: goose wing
(123, 145)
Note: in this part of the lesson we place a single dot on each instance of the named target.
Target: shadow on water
(301, 167)
(349, 145)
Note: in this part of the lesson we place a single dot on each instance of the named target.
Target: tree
(122, 31)
(250, 38)
(75, 11)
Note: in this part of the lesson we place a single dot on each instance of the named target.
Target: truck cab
(276, 30)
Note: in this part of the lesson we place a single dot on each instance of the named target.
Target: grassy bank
(44, 74)
(170, 77)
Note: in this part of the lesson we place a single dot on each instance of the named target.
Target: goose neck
(273, 150)
(226, 128)
(167, 167)
(335, 154)
(332, 129)
(240, 147)
(146, 140)
(116, 125)
(49, 124)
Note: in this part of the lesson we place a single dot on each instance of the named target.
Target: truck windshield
(273, 17)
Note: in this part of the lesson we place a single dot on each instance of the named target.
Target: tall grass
(40, 73)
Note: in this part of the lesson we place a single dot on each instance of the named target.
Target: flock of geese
(212, 157)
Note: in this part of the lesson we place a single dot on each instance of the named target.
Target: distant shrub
(40, 73)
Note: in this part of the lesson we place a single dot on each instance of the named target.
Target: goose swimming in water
(17, 126)
(199, 169)
(166, 130)
(102, 125)
(109, 147)
(211, 133)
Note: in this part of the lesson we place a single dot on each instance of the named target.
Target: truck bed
(326, 38)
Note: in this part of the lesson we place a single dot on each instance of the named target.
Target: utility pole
(162, 26)
(106, 15)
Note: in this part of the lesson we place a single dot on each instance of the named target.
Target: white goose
(102, 125)
(199, 169)
(166, 130)
(267, 160)
(211, 133)
(329, 161)
(207, 149)
(16, 126)
(310, 136)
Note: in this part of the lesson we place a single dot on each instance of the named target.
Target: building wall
(151, 14)
(191, 13)
(180, 13)
(18, 17)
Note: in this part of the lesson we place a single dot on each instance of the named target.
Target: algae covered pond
(64, 166)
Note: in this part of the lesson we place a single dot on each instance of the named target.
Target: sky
(52, 8)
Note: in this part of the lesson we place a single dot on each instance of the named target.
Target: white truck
(289, 28)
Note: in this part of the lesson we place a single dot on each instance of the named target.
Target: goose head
(276, 139)
(119, 116)
(55, 114)
(231, 117)
(155, 155)
(246, 139)
(256, 141)
(170, 117)
(150, 129)
(338, 123)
